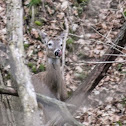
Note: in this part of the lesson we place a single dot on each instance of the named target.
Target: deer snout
(58, 52)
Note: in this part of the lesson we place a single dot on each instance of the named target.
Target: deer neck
(53, 63)
(54, 75)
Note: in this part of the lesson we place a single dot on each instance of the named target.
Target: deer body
(51, 82)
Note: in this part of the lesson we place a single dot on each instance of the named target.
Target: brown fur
(51, 83)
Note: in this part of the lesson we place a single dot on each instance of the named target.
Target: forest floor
(93, 27)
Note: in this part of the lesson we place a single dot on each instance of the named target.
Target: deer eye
(61, 45)
(50, 44)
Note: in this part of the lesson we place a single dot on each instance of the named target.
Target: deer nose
(58, 52)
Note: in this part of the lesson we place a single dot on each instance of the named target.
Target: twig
(100, 62)
(43, 7)
(1, 79)
(79, 36)
(108, 40)
(109, 45)
(121, 9)
(33, 15)
(64, 45)
(115, 55)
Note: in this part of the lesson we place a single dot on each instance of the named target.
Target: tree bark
(20, 72)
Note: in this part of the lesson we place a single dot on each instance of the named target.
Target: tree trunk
(19, 70)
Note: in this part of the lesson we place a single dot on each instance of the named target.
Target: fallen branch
(62, 107)
(8, 91)
(43, 98)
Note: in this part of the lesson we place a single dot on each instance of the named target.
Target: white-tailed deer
(51, 82)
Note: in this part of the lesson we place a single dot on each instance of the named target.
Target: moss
(69, 41)
(119, 123)
(34, 2)
(34, 69)
(81, 5)
(81, 55)
(69, 44)
(42, 67)
(80, 10)
(30, 64)
(35, 51)
(25, 18)
(70, 93)
(38, 23)
(119, 67)
(80, 76)
(39, 38)
(123, 101)
(71, 31)
(26, 46)
(124, 12)
(8, 76)
(83, 1)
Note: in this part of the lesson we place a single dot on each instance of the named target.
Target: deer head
(53, 45)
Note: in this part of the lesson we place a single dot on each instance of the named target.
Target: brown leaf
(40, 54)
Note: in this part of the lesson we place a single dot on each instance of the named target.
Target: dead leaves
(106, 22)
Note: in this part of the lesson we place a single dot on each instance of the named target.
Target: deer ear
(44, 37)
(62, 35)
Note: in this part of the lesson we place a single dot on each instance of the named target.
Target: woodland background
(93, 27)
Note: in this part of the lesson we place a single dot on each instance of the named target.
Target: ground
(93, 26)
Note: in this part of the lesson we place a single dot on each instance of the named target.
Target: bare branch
(33, 15)
(64, 45)
(121, 9)
(116, 55)
(8, 91)
(109, 45)
(100, 62)
(78, 36)
(114, 44)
